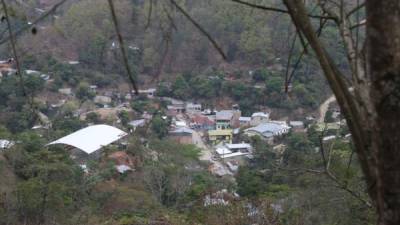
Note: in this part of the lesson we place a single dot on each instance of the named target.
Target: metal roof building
(269, 129)
(92, 138)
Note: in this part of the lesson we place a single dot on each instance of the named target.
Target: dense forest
(143, 66)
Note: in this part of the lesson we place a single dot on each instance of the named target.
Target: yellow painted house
(218, 136)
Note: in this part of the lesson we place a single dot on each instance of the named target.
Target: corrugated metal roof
(182, 130)
(136, 123)
(244, 119)
(269, 129)
(260, 114)
(236, 146)
(224, 115)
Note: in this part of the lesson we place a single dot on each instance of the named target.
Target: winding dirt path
(323, 108)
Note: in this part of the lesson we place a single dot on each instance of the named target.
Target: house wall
(215, 139)
(241, 160)
(222, 124)
(187, 139)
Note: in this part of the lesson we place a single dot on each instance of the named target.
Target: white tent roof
(92, 138)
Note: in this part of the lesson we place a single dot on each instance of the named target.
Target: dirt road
(206, 155)
(323, 108)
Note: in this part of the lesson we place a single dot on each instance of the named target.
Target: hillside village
(177, 113)
(222, 134)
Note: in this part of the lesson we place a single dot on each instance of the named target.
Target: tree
(124, 117)
(250, 183)
(93, 117)
(180, 88)
(159, 126)
(371, 108)
(83, 92)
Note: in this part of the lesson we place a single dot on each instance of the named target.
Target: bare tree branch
(33, 23)
(14, 49)
(200, 28)
(360, 24)
(268, 8)
(355, 9)
(122, 47)
(149, 14)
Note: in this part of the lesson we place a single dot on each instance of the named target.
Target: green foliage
(180, 88)
(93, 117)
(328, 117)
(83, 92)
(250, 183)
(298, 148)
(33, 84)
(159, 126)
(261, 75)
(124, 117)
(67, 125)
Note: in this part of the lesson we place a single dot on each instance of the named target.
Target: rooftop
(269, 129)
(223, 151)
(244, 119)
(296, 123)
(234, 154)
(236, 146)
(92, 138)
(182, 130)
(137, 123)
(260, 114)
(224, 115)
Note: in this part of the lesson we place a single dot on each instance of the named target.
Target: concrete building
(244, 121)
(193, 108)
(202, 122)
(227, 119)
(220, 136)
(182, 135)
(235, 153)
(137, 123)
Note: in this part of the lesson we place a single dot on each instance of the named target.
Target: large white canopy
(92, 138)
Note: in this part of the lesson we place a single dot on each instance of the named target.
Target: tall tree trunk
(383, 55)
(377, 146)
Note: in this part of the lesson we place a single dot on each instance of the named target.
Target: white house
(234, 152)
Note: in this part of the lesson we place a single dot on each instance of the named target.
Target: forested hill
(162, 45)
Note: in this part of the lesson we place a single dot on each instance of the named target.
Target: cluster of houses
(219, 129)
(7, 69)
